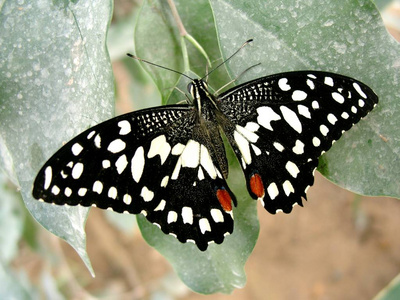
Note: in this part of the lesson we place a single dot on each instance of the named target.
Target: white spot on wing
(91, 134)
(359, 90)
(303, 110)
(116, 146)
(112, 192)
(338, 97)
(82, 192)
(256, 150)
(328, 81)
(67, 192)
(125, 127)
(172, 217)
(332, 119)
(160, 206)
(299, 95)
(146, 194)
(127, 199)
(48, 175)
(315, 104)
(249, 135)
(204, 225)
(316, 141)
(106, 164)
(218, 173)
(187, 215)
(97, 141)
(76, 149)
(137, 164)
(217, 215)
(191, 154)
(278, 146)
(206, 162)
(292, 169)
(177, 169)
(272, 191)
(283, 84)
(298, 147)
(97, 187)
(121, 163)
(291, 118)
(178, 149)
(55, 190)
(164, 181)
(265, 116)
(345, 115)
(244, 147)
(288, 187)
(252, 126)
(306, 189)
(311, 84)
(243, 163)
(77, 170)
(200, 174)
(159, 146)
(324, 130)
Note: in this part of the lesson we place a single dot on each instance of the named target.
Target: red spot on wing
(224, 199)
(257, 186)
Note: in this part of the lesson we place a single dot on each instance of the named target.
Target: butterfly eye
(190, 88)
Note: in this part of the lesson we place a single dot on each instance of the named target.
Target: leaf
(56, 80)
(11, 222)
(345, 37)
(391, 291)
(157, 40)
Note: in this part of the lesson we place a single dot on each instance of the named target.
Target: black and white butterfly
(169, 162)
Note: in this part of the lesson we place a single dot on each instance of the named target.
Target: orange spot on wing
(257, 186)
(225, 199)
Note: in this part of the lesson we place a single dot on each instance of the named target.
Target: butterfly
(169, 163)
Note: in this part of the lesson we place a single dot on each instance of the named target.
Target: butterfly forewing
(284, 122)
(155, 162)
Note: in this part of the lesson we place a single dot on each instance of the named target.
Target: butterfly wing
(155, 162)
(283, 123)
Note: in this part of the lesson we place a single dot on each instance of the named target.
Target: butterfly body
(169, 162)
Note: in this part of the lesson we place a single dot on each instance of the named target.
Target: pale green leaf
(55, 81)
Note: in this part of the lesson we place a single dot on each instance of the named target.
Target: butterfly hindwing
(155, 162)
(284, 122)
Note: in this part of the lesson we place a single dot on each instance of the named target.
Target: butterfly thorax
(203, 100)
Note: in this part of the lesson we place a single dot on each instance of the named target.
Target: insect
(169, 164)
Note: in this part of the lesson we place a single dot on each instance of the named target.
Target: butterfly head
(198, 89)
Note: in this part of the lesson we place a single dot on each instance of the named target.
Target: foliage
(56, 80)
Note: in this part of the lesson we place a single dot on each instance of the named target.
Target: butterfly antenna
(159, 66)
(226, 60)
